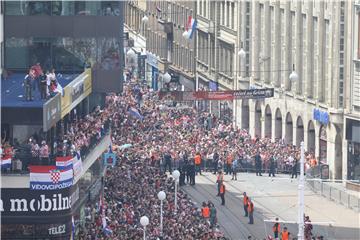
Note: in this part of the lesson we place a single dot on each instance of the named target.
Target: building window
(205, 8)
(228, 14)
(233, 15)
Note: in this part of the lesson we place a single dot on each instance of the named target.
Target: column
(317, 140)
(331, 156)
(255, 44)
(277, 45)
(332, 84)
(252, 117)
(294, 133)
(262, 123)
(239, 113)
(321, 32)
(308, 84)
(283, 126)
(273, 122)
(288, 41)
(267, 50)
(299, 46)
(305, 135)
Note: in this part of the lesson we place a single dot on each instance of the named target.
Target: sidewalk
(273, 198)
(337, 192)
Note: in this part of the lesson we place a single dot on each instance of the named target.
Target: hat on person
(43, 142)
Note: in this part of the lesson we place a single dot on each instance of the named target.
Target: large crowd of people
(163, 137)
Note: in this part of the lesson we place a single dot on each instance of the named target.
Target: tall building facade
(279, 36)
(351, 144)
(167, 49)
(67, 35)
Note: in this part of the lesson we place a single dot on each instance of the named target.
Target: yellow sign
(76, 91)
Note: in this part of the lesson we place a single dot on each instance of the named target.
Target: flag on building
(50, 178)
(64, 163)
(77, 167)
(6, 162)
(191, 26)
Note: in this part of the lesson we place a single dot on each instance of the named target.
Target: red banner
(217, 95)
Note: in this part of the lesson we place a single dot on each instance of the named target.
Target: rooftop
(12, 91)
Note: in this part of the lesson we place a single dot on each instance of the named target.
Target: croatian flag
(64, 163)
(6, 162)
(191, 26)
(50, 178)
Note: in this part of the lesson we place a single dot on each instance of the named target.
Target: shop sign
(321, 116)
(51, 112)
(218, 95)
(77, 90)
(109, 159)
(61, 229)
(24, 202)
(141, 66)
(152, 60)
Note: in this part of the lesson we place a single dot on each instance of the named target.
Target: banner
(51, 112)
(6, 162)
(217, 95)
(109, 159)
(64, 163)
(50, 178)
(77, 168)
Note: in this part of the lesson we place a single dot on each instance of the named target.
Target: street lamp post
(301, 194)
(294, 77)
(176, 175)
(144, 221)
(161, 196)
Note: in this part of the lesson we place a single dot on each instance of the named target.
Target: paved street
(273, 198)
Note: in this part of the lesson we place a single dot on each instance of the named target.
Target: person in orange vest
(229, 160)
(219, 181)
(245, 201)
(251, 211)
(285, 234)
(205, 210)
(222, 194)
(276, 229)
(197, 160)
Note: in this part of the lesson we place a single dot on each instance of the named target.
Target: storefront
(152, 71)
(353, 149)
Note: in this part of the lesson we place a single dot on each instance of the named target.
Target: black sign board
(141, 66)
(23, 202)
(77, 90)
(51, 112)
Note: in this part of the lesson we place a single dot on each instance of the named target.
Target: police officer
(28, 82)
(276, 229)
(251, 211)
(272, 167)
(245, 201)
(222, 193)
(258, 164)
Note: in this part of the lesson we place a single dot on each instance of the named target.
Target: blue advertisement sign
(109, 159)
(213, 86)
(321, 116)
